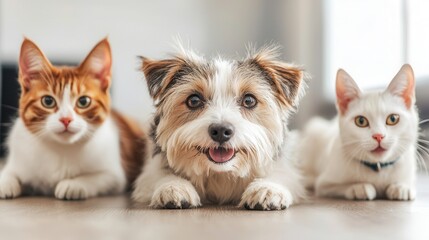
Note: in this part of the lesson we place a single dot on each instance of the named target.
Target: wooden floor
(118, 218)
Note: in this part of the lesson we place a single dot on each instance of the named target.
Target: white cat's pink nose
(66, 121)
(378, 137)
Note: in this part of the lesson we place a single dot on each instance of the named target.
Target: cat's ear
(347, 90)
(403, 85)
(32, 62)
(160, 73)
(98, 63)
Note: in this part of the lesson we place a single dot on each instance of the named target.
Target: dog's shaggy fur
(251, 99)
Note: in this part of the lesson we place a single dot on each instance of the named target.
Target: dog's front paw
(266, 196)
(175, 195)
(361, 191)
(9, 188)
(70, 189)
(400, 192)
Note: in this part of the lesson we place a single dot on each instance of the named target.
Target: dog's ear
(286, 79)
(160, 74)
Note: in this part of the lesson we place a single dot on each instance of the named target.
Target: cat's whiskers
(423, 147)
(351, 144)
(9, 107)
(89, 133)
(347, 142)
(356, 154)
(351, 156)
(401, 149)
(423, 141)
(420, 149)
(424, 121)
(351, 153)
(421, 162)
(422, 154)
(367, 145)
(39, 134)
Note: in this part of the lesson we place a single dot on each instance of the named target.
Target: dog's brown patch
(283, 77)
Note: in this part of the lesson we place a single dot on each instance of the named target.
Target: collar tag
(377, 167)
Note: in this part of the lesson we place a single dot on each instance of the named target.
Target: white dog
(220, 132)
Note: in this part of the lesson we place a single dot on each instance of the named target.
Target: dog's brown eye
(83, 102)
(48, 101)
(249, 101)
(194, 101)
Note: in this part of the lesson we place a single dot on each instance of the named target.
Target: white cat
(369, 150)
(66, 141)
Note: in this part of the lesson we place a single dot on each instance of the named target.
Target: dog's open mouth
(220, 154)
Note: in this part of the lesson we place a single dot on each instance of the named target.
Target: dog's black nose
(221, 132)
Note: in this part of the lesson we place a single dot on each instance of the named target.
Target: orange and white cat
(67, 141)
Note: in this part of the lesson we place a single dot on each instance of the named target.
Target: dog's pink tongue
(221, 155)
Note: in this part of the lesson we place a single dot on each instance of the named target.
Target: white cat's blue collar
(378, 166)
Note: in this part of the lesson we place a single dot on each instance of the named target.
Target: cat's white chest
(44, 167)
(41, 165)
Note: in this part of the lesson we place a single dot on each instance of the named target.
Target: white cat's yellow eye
(48, 101)
(392, 119)
(361, 121)
(83, 102)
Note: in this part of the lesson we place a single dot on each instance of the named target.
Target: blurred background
(371, 39)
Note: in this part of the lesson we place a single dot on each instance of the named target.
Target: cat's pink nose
(378, 137)
(66, 121)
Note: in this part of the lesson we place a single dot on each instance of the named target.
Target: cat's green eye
(48, 101)
(392, 119)
(83, 102)
(361, 121)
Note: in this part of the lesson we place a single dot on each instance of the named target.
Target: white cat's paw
(400, 192)
(9, 188)
(361, 191)
(266, 196)
(70, 189)
(175, 195)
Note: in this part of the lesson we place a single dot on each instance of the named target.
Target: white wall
(366, 38)
(418, 40)
(67, 30)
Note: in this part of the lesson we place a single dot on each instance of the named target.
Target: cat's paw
(175, 195)
(266, 196)
(9, 188)
(361, 191)
(400, 192)
(70, 189)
